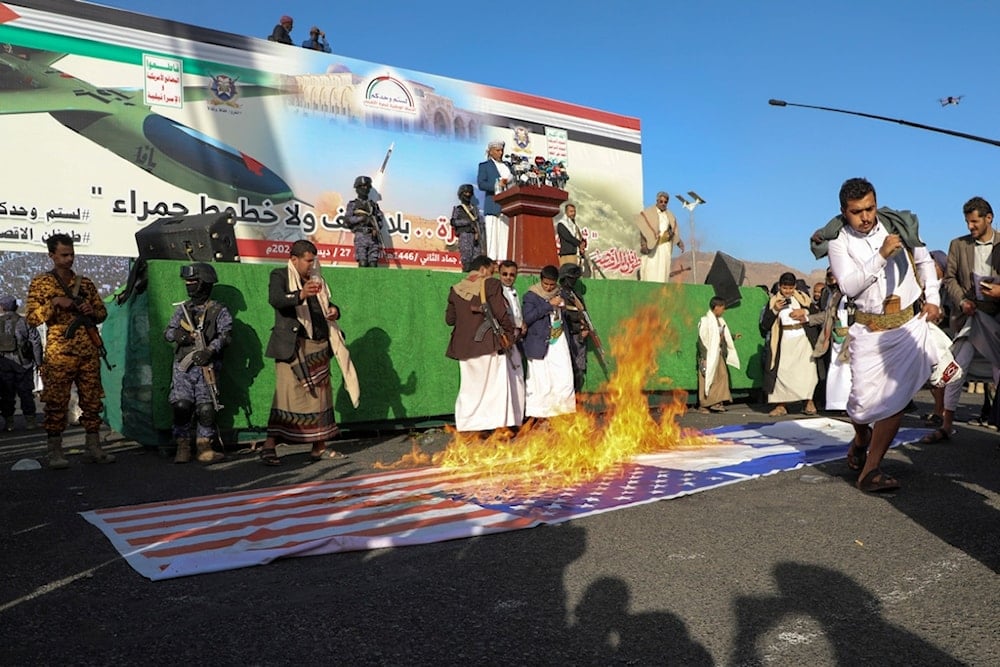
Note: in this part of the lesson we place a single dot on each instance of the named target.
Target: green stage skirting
(394, 323)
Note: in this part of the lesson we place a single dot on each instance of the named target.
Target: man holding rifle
(71, 309)
(365, 219)
(579, 326)
(200, 328)
(482, 332)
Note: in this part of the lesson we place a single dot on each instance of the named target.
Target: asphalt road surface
(797, 568)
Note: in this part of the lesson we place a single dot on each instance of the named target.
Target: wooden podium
(530, 210)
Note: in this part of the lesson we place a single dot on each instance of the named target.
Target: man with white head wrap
(494, 176)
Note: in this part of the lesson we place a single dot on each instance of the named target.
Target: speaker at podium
(726, 276)
(210, 237)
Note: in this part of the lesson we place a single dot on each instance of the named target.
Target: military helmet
(362, 180)
(199, 271)
(465, 187)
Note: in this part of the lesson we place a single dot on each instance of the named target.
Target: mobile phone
(983, 283)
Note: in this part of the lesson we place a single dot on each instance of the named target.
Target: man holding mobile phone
(972, 282)
(790, 372)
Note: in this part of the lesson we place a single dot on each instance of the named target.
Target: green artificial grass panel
(395, 329)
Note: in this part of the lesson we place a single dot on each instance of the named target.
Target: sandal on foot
(269, 457)
(333, 454)
(718, 408)
(877, 481)
(937, 435)
(702, 411)
(856, 457)
(779, 411)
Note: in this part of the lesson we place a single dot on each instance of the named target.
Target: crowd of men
(864, 341)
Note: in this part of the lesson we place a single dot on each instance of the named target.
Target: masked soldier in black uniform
(200, 328)
(365, 219)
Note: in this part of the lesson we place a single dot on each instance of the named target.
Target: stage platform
(395, 328)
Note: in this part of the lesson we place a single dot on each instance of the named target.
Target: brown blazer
(957, 279)
(465, 316)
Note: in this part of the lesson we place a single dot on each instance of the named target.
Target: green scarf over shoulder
(903, 223)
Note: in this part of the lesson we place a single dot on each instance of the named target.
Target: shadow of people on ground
(611, 634)
(850, 617)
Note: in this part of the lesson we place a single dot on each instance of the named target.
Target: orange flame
(573, 448)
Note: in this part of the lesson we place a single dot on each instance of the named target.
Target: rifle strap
(81, 319)
(482, 295)
(487, 324)
(72, 294)
(472, 218)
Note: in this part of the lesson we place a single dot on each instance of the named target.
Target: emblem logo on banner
(389, 94)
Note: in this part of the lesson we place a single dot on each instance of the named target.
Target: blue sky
(699, 75)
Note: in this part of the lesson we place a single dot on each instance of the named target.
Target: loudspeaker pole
(696, 200)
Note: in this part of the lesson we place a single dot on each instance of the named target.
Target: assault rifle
(598, 346)
(85, 321)
(207, 371)
(490, 322)
(373, 215)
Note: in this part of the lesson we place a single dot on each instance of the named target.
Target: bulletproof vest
(8, 339)
(208, 326)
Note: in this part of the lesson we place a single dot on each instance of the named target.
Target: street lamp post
(900, 121)
(691, 206)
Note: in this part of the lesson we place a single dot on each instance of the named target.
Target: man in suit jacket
(969, 281)
(304, 337)
(494, 172)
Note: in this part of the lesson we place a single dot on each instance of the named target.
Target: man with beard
(494, 176)
(365, 219)
(304, 337)
(658, 235)
(572, 245)
(971, 279)
(200, 328)
(515, 360)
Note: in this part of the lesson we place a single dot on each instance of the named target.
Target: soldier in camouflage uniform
(468, 223)
(576, 326)
(365, 219)
(200, 328)
(71, 309)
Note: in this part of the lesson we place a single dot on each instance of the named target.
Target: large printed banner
(111, 121)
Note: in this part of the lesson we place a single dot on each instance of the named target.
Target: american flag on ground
(399, 508)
